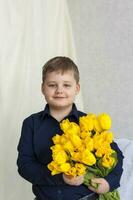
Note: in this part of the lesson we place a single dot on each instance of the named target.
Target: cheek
(72, 93)
(46, 92)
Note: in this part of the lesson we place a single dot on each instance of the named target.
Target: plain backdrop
(31, 32)
(103, 34)
(97, 35)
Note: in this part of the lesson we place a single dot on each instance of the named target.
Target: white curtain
(31, 32)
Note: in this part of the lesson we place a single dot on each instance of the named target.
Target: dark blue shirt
(34, 155)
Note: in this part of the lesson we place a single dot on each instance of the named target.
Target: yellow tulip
(72, 172)
(68, 146)
(74, 128)
(97, 140)
(108, 161)
(56, 148)
(80, 168)
(53, 167)
(56, 139)
(60, 157)
(86, 123)
(65, 125)
(54, 172)
(65, 167)
(109, 137)
(97, 125)
(88, 141)
(76, 156)
(76, 140)
(91, 116)
(88, 158)
(104, 149)
(84, 134)
(63, 139)
(105, 121)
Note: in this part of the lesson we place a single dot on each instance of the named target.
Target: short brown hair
(62, 64)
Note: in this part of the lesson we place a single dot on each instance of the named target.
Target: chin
(61, 105)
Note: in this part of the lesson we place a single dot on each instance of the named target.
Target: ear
(77, 88)
(42, 88)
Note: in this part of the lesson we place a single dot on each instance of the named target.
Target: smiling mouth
(59, 97)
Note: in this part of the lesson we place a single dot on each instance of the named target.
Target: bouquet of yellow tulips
(84, 149)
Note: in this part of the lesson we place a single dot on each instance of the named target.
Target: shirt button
(59, 195)
(59, 192)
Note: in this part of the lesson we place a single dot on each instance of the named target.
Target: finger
(92, 189)
(80, 178)
(96, 180)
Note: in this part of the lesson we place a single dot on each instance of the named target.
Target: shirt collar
(74, 112)
(46, 111)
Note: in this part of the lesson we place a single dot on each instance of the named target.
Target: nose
(59, 90)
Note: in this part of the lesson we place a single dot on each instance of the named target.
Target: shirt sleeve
(114, 177)
(29, 166)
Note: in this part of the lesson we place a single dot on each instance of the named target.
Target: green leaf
(98, 170)
(87, 180)
(114, 195)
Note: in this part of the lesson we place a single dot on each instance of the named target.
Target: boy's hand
(103, 186)
(78, 180)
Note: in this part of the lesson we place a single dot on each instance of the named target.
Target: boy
(60, 85)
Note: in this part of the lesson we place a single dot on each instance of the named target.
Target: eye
(67, 85)
(52, 85)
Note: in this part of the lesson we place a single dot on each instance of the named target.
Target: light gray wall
(103, 33)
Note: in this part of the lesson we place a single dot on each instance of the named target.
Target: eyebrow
(56, 82)
(67, 81)
(51, 82)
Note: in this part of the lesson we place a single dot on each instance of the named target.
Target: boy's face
(60, 89)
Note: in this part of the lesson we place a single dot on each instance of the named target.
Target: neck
(60, 113)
